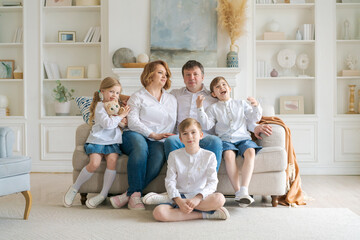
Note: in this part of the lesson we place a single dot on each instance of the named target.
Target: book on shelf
(11, 4)
(97, 34)
(18, 35)
(308, 31)
(263, 69)
(52, 70)
(89, 34)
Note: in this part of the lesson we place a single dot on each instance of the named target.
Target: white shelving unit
(11, 18)
(345, 47)
(288, 83)
(68, 18)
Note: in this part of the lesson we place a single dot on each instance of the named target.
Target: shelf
(11, 80)
(76, 44)
(348, 78)
(12, 117)
(63, 117)
(355, 41)
(285, 78)
(347, 5)
(73, 8)
(11, 44)
(305, 42)
(11, 9)
(285, 6)
(73, 79)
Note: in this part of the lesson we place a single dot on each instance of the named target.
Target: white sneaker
(69, 196)
(244, 200)
(155, 198)
(95, 201)
(221, 214)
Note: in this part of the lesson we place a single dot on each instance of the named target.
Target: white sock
(204, 215)
(109, 178)
(244, 190)
(83, 177)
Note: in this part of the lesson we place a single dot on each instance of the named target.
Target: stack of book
(307, 31)
(263, 69)
(93, 35)
(264, 1)
(18, 35)
(52, 70)
(4, 112)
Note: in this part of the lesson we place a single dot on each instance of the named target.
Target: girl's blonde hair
(106, 83)
(149, 71)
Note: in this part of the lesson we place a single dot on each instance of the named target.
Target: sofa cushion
(15, 165)
(84, 105)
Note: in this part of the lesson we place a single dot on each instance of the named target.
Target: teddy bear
(113, 108)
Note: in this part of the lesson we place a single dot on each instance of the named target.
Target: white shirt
(187, 104)
(148, 115)
(231, 119)
(105, 131)
(191, 174)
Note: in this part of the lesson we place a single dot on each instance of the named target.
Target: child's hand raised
(199, 101)
(124, 111)
(252, 101)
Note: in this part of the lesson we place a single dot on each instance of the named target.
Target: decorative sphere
(142, 58)
(273, 26)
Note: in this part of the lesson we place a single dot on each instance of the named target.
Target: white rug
(53, 221)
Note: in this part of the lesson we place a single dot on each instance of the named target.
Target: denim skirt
(102, 149)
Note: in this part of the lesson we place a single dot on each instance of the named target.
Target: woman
(151, 120)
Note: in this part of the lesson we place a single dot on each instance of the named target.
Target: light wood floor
(325, 191)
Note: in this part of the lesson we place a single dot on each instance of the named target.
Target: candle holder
(351, 100)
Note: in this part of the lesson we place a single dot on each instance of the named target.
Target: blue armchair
(14, 170)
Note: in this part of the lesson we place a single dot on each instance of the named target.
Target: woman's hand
(199, 101)
(159, 136)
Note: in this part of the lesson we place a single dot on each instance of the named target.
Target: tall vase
(232, 59)
(352, 100)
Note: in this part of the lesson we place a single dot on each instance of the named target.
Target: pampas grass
(232, 17)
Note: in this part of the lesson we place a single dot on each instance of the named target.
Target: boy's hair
(106, 83)
(190, 65)
(149, 71)
(216, 81)
(187, 122)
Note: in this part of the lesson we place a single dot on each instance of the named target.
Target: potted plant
(62, 97)
(232, 17)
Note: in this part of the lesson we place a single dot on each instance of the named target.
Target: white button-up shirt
(105, 131)
(148, 115)
(187, 104)
(191, 174)
(232, 119)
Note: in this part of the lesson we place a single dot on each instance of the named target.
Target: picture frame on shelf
(7, 69)
(67, 36)
(58, 3)
(292, 105)
(74, 72)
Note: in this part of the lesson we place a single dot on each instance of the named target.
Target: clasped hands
(188, 205)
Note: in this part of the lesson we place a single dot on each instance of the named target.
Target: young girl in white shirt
(232, 119)
(103, 141)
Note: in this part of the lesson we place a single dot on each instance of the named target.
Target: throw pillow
(84, 105)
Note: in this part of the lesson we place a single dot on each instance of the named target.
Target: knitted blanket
(294, 194)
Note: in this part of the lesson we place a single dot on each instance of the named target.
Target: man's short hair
(191, 64)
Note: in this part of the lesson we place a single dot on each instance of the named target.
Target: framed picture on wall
(7, 69)
(69, 36)
(75, 72)
(55, 3)
(292, 105)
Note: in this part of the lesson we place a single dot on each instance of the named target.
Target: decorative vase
(232, 59)
(62, 108)
(93, 71)
(351, 100)
(298, 35)
(274, 73)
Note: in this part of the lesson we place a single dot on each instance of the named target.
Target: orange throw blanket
(294, 193)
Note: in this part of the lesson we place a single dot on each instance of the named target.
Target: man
(193, 74)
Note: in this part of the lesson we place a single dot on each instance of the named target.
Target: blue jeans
(210, 142)
(146, 159)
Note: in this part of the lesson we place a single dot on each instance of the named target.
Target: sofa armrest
(82, 133)
(276, 139)
(7, 138)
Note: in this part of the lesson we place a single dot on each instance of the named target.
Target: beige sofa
(269, 176)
